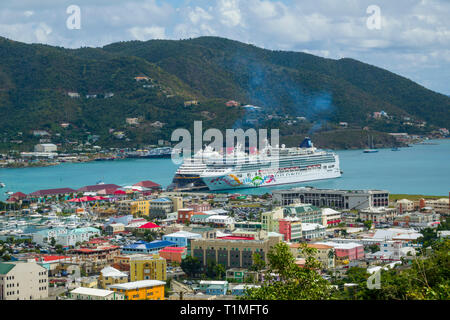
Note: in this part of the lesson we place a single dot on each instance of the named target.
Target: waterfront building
(82, 293)
(45, 147)
(404, 205)
(147, 267)
(233, 253)
(149, 185)
(109, 276)
(441, 206)
(98, 187)
(141, 290)
(48, 193)
(338, 199)
(23, 281)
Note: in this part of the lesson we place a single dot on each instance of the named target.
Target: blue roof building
(147, 247)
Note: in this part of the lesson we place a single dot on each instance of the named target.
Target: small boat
(370, 149)
(395, 149)
(2, 185)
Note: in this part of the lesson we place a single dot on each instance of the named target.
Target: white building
(65, 237)
(83, 293)
(23, 281)
(378, 215)
(313, 230)
(404, 205)
(220, 219)
(45, 147)
(441, 206)
(331, 217)
(392, 250)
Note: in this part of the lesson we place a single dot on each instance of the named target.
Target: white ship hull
(270, 178)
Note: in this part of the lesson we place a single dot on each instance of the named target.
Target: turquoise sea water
(420, 169)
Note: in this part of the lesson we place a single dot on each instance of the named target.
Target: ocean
(420, 169)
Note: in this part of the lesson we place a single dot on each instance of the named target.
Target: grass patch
(395, 197)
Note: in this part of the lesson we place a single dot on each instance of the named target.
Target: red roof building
(16, 197)
(19, 195)
(51, 258)
(149, 225)
(174, 254)
(148, 185)
(52, 192)
(98, 187)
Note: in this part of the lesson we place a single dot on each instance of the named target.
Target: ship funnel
(306, 143)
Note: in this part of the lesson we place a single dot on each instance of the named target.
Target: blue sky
(413, 39)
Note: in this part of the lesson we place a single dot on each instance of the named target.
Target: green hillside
(35, 81)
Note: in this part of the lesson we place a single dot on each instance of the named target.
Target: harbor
(419, 169)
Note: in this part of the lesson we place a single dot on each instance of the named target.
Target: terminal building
(338, 199)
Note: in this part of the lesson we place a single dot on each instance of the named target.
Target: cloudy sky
(412, 39)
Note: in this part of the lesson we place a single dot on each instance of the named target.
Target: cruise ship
(271, 166)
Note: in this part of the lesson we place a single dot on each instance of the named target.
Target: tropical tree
(285, 280)
(191, 266)
(258, 262)
(368, 224)
(220, 271)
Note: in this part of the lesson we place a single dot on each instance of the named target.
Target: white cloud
(199, 14)
(147, 33)
(419, 29)
(230, 12)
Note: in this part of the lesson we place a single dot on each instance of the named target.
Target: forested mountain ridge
(35, 82)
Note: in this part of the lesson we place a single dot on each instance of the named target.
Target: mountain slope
(35, 81)
(289, 79)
